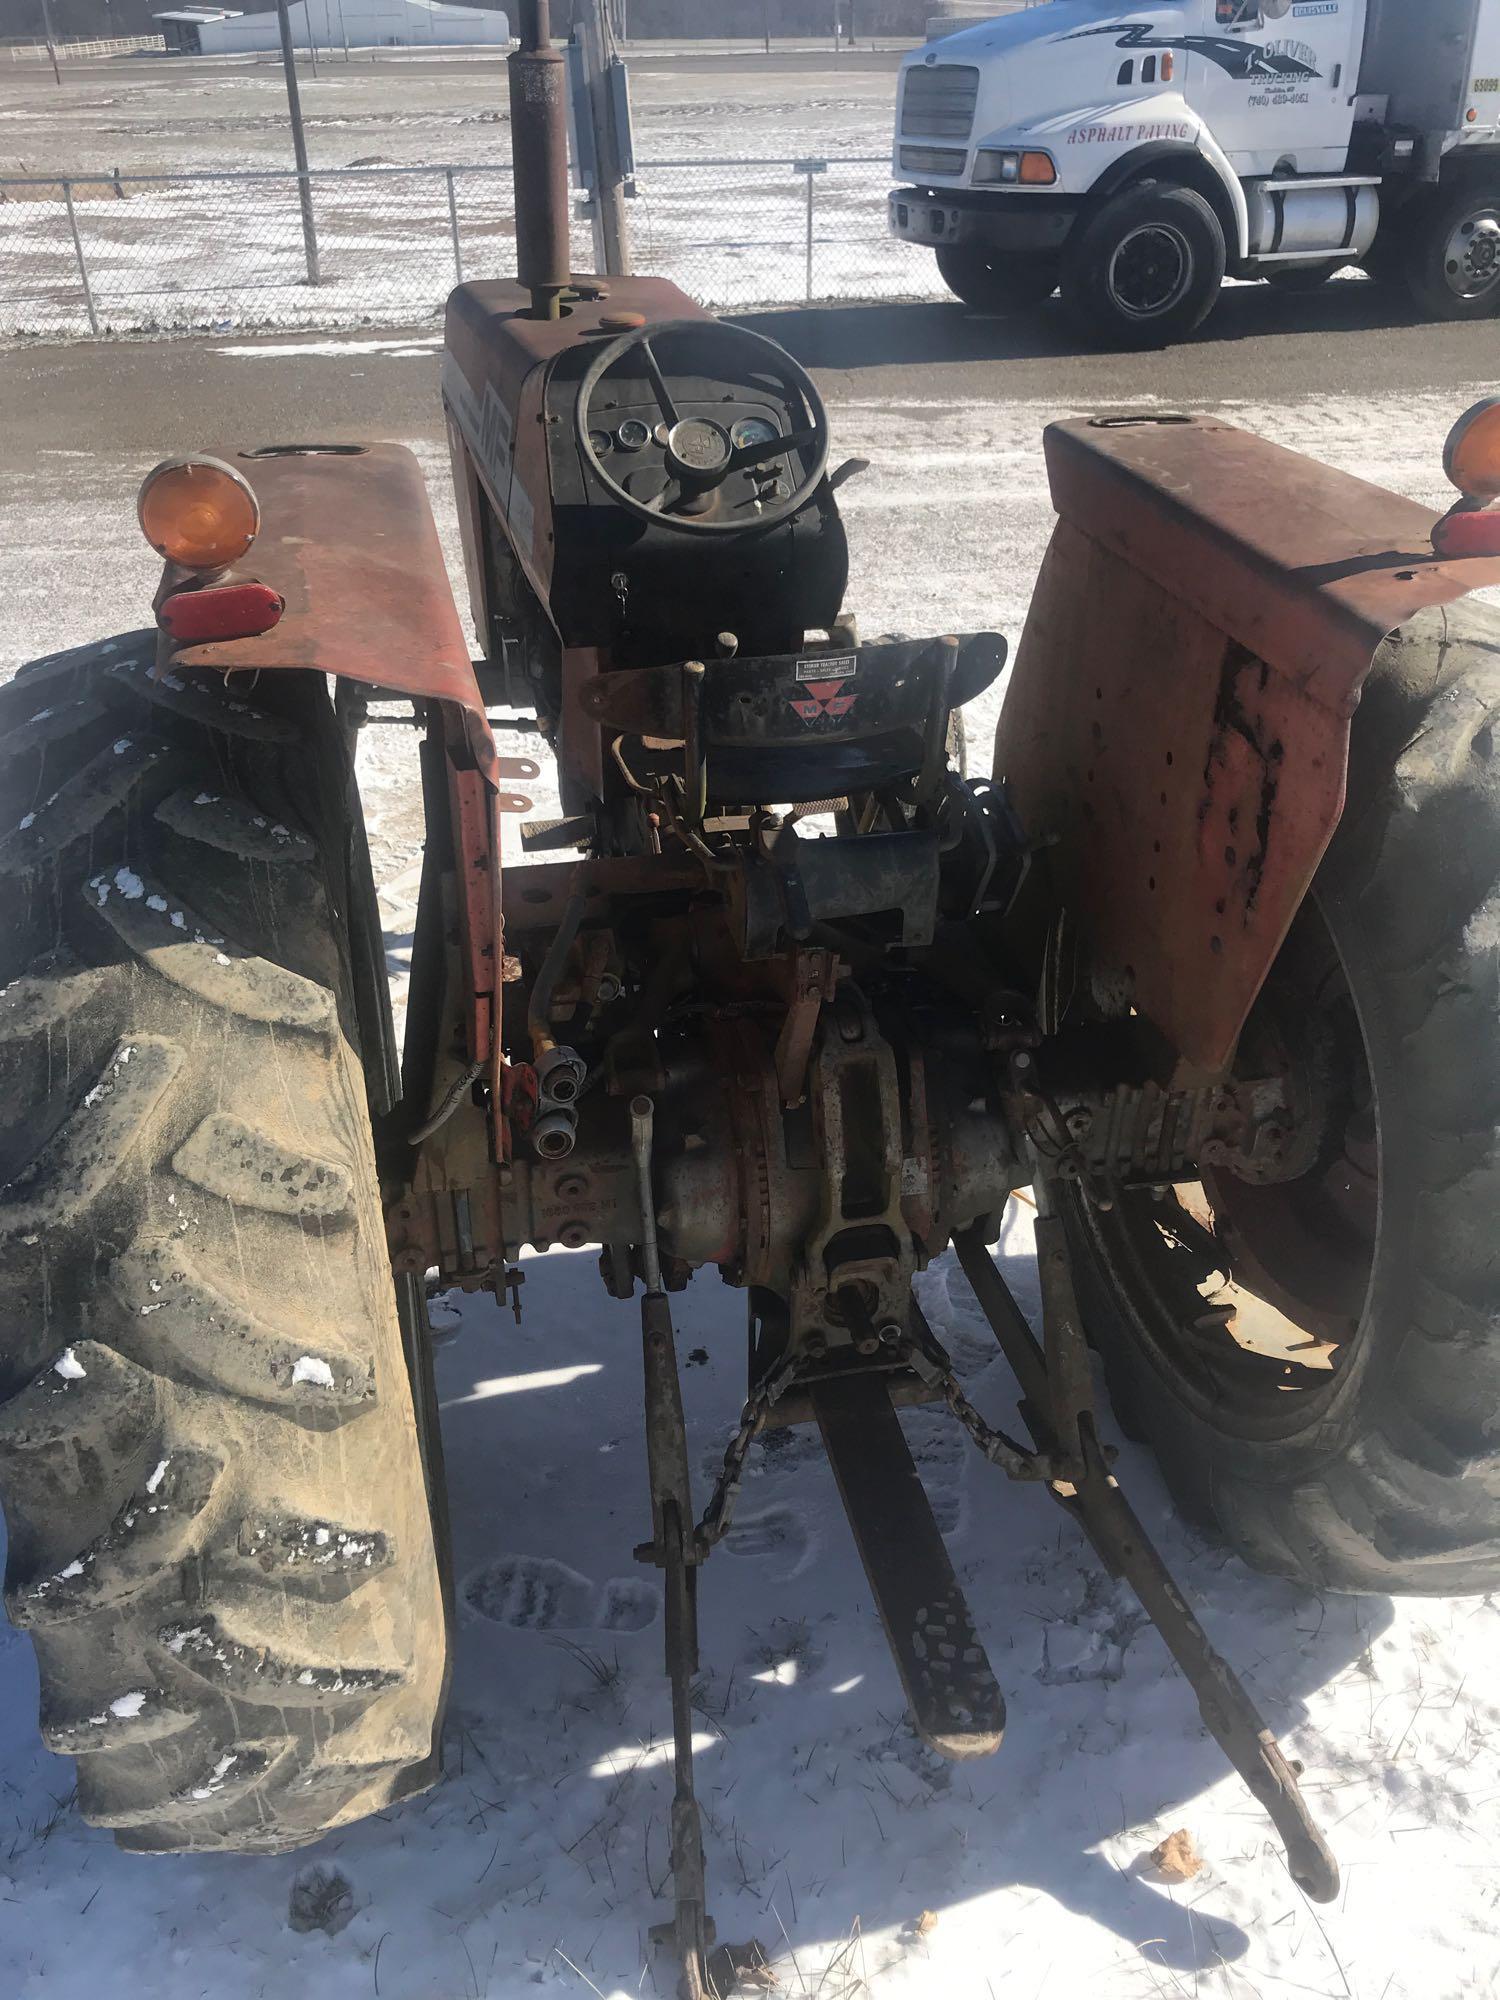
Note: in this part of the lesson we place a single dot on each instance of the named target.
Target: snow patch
(127, 1706)
(129, 884)
(309, 1368)
(157, 1477)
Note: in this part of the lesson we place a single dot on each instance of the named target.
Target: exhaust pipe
(539, 161)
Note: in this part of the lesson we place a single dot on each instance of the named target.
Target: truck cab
(1263, 138)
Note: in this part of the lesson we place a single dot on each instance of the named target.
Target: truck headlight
(1031, 169)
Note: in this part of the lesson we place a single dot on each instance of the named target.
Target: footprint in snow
(776, 1533)
(537, 1594)
(627, 1604)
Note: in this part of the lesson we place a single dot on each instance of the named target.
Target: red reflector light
(225, 611)
(1468, 532)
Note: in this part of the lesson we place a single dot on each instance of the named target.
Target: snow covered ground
(213, 252)
(181, 117)
(859, 1862)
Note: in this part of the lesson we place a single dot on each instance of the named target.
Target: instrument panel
(639, 449)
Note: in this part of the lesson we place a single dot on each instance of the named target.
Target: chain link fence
(211, 252)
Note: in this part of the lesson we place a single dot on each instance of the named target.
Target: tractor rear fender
(1177, 722)
(348, 540)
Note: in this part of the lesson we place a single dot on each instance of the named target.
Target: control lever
(674, 1550)
(1055, 1407)
(850, 469)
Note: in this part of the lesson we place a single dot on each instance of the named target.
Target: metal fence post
(809, 168)
(299, 144)
(808, 293)
(83, 269)
(458, 255)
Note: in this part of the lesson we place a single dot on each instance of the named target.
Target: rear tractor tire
(219, 1504)
(997, 281)
(1331, 1407)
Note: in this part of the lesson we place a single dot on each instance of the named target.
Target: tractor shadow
(817, 1796)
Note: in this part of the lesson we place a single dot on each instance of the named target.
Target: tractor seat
(789, 728)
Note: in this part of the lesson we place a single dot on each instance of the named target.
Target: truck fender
(1202, 166)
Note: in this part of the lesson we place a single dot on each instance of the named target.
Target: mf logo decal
(820, 698)
(1248, 61)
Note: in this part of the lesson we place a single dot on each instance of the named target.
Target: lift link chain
(719, 1512)
(930, 1363)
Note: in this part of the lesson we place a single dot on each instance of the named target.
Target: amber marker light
(1471, 457)
(198, 512)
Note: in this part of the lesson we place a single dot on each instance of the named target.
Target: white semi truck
(1132, 156)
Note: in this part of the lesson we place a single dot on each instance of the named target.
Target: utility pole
(603, 90)
(299, 143)
(765, 21)
(51, 42)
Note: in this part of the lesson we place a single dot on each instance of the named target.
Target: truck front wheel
(996, 281)
(1146, 269)
(1453, 253)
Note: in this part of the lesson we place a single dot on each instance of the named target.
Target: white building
(333, 24)
(181, 29)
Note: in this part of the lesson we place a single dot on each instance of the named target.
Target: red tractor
(1208, 964)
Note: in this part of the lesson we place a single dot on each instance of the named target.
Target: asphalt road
(160, 397)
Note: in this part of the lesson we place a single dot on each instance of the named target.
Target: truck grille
(933, 159)
(938, 102)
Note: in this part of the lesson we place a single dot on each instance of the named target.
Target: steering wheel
(700, 454)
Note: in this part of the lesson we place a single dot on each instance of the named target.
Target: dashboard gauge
(633, 435)
(601, 441)
(661, 435)
(753, 430)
